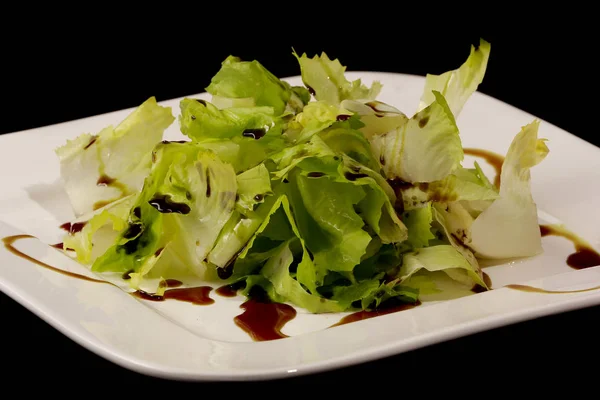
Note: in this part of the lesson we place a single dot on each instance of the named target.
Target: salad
(319, 194)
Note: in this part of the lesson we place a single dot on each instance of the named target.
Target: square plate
(178, 340)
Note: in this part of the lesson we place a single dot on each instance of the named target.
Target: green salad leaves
(321, 195)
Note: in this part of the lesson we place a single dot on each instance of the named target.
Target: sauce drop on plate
(362, 315)
(480, 289)
(199, 295)
(263, 319)
(9, 244)
(583, 257)
(231, 289)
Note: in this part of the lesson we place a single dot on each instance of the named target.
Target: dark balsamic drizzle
(174, 141)
(164, 204)
(225, 272)
(480, 289)
(231, 289)
(263, 319)
(207, 184)
(94, 138)
(73, 228)
(133, 230)
(352, 177)
(196, 295)
(393, 307)
(495, 160)
(583, 257)
(254, 133)
(105, 180)
(9, 242)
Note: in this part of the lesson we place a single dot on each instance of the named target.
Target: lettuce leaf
(316, 159)
(452, 221)
(248, 84)
(463, 185)
(202, 120)
(315, 117)
(243, 153)
(253, 186)
(441, 258)
(326, 80)
(418, 222)
(237, 236)
(330, 205)
(509, 227)
(458, 85)
(185, 202)
(276, 271)
(288, 158)
(100, 230)
(99, 169)
(377, 117)
(273, 263)
(427, 148)
(352, 143)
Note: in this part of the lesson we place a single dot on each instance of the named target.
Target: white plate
(178, 340)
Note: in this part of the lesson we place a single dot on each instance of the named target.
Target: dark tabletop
(547, 72)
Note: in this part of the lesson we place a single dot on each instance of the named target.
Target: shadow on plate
(52, 198)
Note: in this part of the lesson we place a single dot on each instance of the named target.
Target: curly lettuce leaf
(315, 117)
(276, 271)
(464, 185)
(186, 200)
(378, 207)
(377, 117)
(509, 227)
(272, 268)
(452, 221)
(325, 78)
(459, 84)
(201, 120)
(418, 222)
(100, 230)
(445, 258)
(243, 153)
(280, 233)
(288, 158)
(439, 286)
(375, 296)
(352, 143)
(253, 186)
(237, 236)
(316, 159)
(330, 205)
(99, 169)
(425, 149)
(248, 84)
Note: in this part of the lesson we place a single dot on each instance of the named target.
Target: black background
(68, 70)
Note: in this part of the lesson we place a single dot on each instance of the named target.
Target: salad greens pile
(319, 194)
